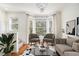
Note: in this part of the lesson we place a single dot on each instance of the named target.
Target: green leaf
(4, 37)
(1, 39)
(1, 44)
(10, 37)
(11, 48)
(1, 49)
(5, 50)
(14, 42)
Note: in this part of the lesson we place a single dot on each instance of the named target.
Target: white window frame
(47, 24)
(10, 25)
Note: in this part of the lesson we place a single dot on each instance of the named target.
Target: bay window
(41, 25)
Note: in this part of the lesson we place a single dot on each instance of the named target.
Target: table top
(24, 54)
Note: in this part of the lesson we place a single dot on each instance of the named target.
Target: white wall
(22, 24)
(70, 12)
(57, 23)
(2, 21)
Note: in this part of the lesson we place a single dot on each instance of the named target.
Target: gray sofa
(67, 47)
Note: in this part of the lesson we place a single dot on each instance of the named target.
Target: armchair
(33, 38)
(50, 38)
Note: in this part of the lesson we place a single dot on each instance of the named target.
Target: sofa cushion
(48, 39)
(63, 47)
(75, 46)
(71, 53)
(60, 41)
(70, 41)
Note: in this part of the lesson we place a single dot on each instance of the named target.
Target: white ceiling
(51, 8)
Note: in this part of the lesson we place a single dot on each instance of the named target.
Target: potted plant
(7, 43)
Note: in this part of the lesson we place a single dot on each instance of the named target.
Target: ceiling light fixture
(41, 6)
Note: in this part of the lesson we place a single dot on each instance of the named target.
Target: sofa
(67, 47)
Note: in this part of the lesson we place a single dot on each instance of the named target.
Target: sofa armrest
(60, 41)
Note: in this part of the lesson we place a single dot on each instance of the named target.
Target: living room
(37, 25)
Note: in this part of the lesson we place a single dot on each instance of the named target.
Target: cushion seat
(63, 47)
(47, 39)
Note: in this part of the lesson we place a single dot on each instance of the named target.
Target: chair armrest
(60, 41)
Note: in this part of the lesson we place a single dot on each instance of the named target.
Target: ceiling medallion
(41, 6)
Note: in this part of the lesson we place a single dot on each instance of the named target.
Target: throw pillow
(75, 46)
(70, 41)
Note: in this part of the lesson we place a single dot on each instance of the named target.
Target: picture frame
(70, 27)
(77, 26)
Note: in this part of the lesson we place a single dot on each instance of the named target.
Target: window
(13, 24)
(50, 26)
(41, 25)
(31, 27)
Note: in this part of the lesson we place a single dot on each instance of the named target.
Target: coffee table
(27, 53)
(42, 50)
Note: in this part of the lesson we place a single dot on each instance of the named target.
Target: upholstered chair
(33, 38)
(50, 38)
